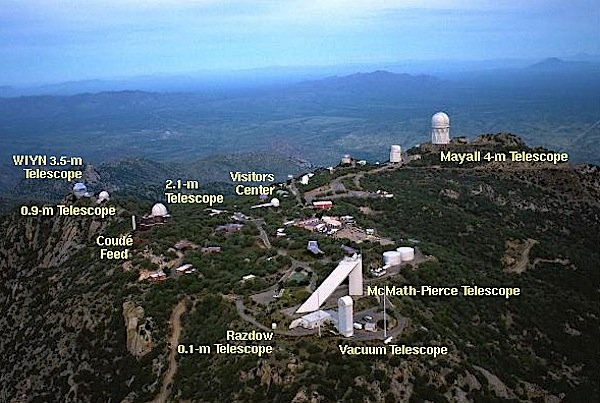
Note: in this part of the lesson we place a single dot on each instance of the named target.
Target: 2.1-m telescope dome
(159, 210)
(440, 128)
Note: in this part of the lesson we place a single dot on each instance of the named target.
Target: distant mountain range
(560, 65)
(283, 128)
(285, 76)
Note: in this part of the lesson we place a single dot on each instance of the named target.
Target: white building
(395, 154)
(304, 179)
(440, 128)
(370, 327)
(159, 210)
(79, 190)
(345, 316)
(312, 320)
(332, 221)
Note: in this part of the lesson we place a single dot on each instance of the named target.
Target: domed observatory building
(440, 128)
(79, 190)
(159, 215)
(103, 197)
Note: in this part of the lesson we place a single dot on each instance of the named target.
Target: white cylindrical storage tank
(392, 258)
(407, 253)
(395, 154)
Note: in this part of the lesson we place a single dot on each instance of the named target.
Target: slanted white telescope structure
(440, 128)
(345, 316)
(395, 154)
(349, 267)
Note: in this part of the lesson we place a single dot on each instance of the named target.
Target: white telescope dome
(159, 210)
(275, 202)
(440, 121)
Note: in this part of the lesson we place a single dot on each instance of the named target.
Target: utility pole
(384, 319)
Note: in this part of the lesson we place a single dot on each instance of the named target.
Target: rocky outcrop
(139, 337)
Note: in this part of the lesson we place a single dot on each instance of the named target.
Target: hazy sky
(56, 40)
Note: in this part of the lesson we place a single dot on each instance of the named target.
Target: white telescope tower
(440, 128)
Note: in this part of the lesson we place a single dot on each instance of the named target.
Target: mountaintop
(102, 334)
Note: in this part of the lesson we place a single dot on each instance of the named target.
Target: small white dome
(440, 121)
(275, 202)
(103, 196)
(159, 210)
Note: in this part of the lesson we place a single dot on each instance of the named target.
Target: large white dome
(440, 121)
(159, 210)
(275, 202)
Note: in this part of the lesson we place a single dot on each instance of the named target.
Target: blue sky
(58, 40)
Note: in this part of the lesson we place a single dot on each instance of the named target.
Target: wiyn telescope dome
(440, 121)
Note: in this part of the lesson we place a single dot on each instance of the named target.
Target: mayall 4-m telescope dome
(440, 128)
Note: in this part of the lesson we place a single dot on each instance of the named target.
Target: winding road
(167, 382)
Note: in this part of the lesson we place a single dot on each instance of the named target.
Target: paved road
(397, 330)
(262, 233)
(337, 185)
(295, 192)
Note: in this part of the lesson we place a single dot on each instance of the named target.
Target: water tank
(395, 154)
(392, 258)
(407, 253)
